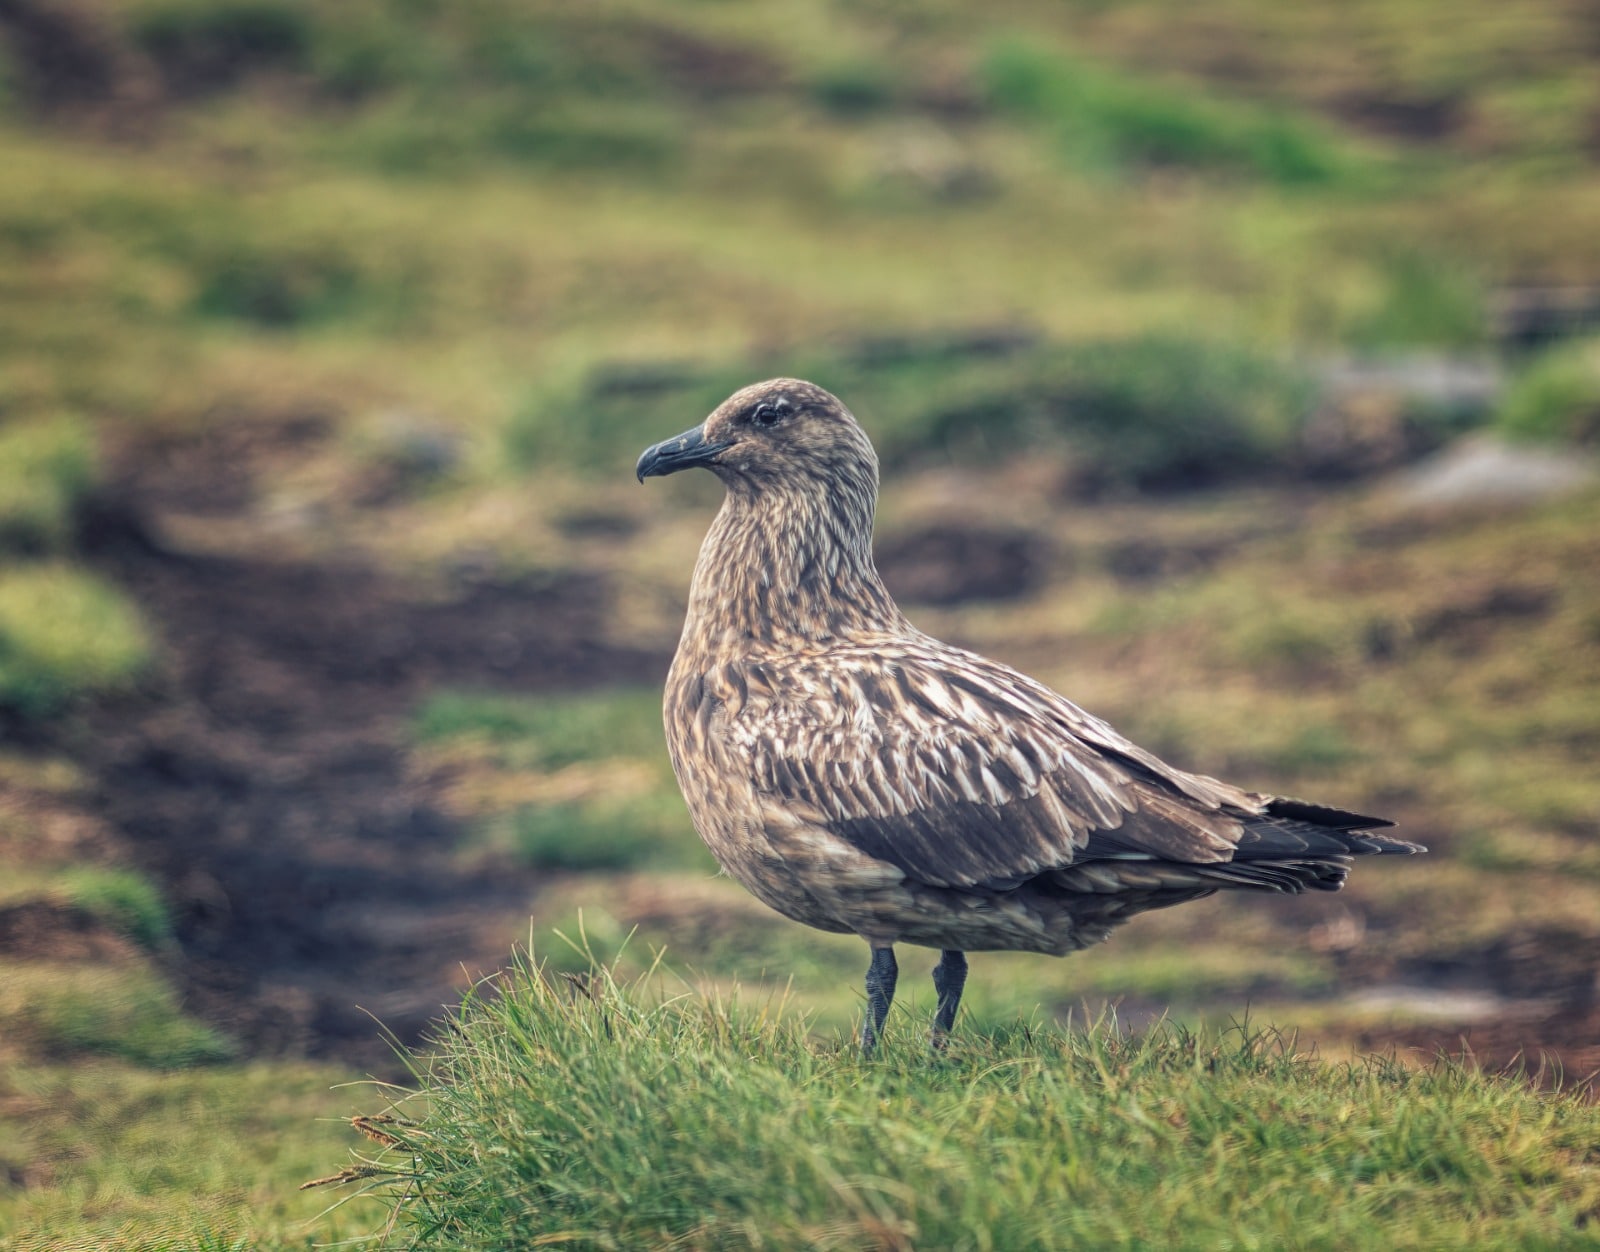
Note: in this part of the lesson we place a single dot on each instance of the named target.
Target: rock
(1486, 471)
(1374, 416)
(416, 446)
(930, 161)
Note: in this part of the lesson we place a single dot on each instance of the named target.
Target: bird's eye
(769, 412)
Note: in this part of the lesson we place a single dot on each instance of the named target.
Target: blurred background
(1235, 368)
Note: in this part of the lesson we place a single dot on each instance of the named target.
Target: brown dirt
(946, 564)
(1559, 1049)
(261, 777)
(1554, 1040)
(35, 930)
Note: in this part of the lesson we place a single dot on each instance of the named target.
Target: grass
(123, 900)
(1556, 398)
(550, 731)
(583, 1112)
(597, 765)
(126, 1011)
(118, 1157)
(1105, 119)
(651, 832)
(1111, 240)
(65, 633)
(1149, 412)
(1424, 724)
(46, 468)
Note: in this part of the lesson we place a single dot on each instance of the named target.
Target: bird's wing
(961, 771)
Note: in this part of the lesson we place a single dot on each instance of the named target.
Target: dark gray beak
(682, 452)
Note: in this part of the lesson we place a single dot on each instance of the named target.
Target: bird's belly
(975, 921)
(811, 876)
(905, 912)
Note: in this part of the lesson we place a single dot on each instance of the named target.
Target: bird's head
(780, 432)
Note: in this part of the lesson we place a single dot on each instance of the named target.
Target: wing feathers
(962, 772)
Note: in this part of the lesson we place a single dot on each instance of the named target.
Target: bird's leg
(949, 977)
(881, 977)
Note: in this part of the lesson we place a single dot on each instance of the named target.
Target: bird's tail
(1299, 817)
(1291, 847)
(1296, 846)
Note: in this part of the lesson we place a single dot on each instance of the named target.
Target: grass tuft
(574, 1109)
(1557, 398)
(124, 1012)
(123, 899)
(46, 468)
(64, 633)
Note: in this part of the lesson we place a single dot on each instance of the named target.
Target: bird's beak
(682, 452)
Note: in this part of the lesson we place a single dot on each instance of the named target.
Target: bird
(862, 777)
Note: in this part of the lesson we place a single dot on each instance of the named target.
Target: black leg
(881, 977)
(949, 977)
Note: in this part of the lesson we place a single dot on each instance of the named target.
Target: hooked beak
(681, 452)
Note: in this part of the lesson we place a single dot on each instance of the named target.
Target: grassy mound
(580, 1112)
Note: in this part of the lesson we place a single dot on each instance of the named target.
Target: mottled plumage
(862, 777)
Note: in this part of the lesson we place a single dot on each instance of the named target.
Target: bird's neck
(789, 566)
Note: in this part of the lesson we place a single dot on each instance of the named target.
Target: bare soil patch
(261, 777)
(1554, 1040)
(35, 930)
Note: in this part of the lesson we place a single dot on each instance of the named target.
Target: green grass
(435, 92)
(651, 832)
(119, 1011)
(64, 633)
(125, 1159)
(124, 899)
(625, 814)
(1556, 399)
(1104, 118)
(1430, 300)
(46, 468)
(548, 732)
(618, 1119)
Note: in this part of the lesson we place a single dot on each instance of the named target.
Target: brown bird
(864, 778)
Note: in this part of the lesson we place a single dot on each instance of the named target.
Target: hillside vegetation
(332, 622)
